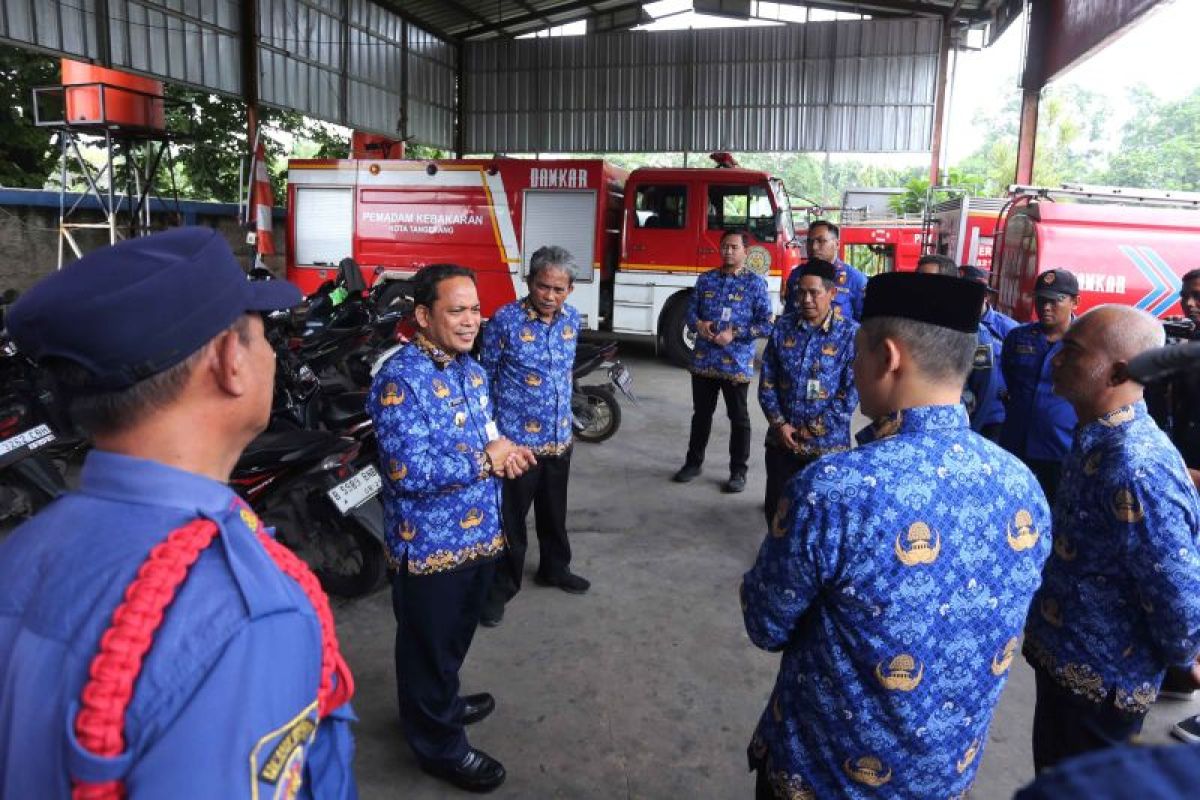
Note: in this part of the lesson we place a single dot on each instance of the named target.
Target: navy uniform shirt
(807, 381)
(895, 581)
(1122, 773)
(739, 301)
(226, 701)
(1121, 593)
(985, 384)
(432, 414)
(529, 364)
(851, 287)
(1038, 424)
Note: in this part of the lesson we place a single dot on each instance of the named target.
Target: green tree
(1160, 146)
(26, 153)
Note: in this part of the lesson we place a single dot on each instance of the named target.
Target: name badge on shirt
(814, 390)
(726, 314)
(493, 433)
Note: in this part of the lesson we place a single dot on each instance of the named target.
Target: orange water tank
(122, 99)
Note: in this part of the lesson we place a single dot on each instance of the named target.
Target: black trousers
(762, 785)
(1065, 726)
(436, 616)
(545, 488)
(704, 403)
(781, 466)
(1048, 474)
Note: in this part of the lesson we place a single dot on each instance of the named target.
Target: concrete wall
(29, 233)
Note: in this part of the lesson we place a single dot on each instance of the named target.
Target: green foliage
(26, 153)
(1160, 146)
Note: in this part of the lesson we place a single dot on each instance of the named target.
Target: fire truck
(1125, 246)
(640, 239)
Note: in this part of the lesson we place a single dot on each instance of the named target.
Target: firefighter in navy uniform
(823, 244)
(442, 459)
(986, 382)
(158, 346)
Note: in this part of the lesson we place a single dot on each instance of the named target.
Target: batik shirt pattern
(739, 300)
(807, 381)
(441, 503)
(851, 289)
(1120, 598)
(895, 580)
(529, 364)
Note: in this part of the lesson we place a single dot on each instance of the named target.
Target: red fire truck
(1125, 246)
(640, 239)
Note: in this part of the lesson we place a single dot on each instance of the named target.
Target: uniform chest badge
(737, 298)
(568, 333)
(1003, 660)
(709, 295)
(476, 380)
(789, 342)
(1021, 534)
(983, 357)
(829, 349)
(407, 531)
(396, 470)
(278, 759)
(440, 389)
(868, 770)
(533, 380)
(920, 550)
(472, 519)
(527, 335)
(842, 277)
(393, 395)
(903, 674)
(533, 426)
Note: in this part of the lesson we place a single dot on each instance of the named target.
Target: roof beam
(516, 22)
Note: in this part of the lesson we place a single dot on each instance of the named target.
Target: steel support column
(939, 103)
(250, 67)
(1027, 138)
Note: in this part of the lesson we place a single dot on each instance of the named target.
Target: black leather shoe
(736, 483)
(476, 707)
(491, 615)
(687, 473)
(569, 582)
(477, 772)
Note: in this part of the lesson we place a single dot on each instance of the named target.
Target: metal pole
(1027, 138)
(249, 53)
(939, 104)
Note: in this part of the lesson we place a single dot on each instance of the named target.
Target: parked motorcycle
(595, 408)
(31, 451)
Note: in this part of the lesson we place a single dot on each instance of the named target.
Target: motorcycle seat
(287, 446)
(345, 409)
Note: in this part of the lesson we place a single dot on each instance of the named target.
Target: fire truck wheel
(597, 414)
(677, 341)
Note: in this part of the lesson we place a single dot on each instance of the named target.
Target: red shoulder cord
(100, 724)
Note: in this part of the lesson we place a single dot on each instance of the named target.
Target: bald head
(1090, 369)
(1122, 331)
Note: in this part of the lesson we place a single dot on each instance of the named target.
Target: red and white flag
(262, 203)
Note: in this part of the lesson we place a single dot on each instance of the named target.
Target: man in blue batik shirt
(986, 383)
(157, 346)
(529, 353)
(823, 243)
(896, 576)
(806, 388)
(442, 458)
(729, 309)
(1038, 424)
(1120, 598)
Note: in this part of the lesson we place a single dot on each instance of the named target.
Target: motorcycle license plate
(355, 491)
(622, 377)
(32, 439)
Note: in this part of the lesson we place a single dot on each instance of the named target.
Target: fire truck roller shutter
(324, 225)
(566, 219)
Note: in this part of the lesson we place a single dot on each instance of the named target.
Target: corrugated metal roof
(476, 19)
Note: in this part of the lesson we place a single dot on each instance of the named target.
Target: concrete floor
(646, 687)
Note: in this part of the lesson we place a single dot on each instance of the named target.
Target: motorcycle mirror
(351, 276)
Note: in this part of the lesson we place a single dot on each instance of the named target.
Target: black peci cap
(941, 300)
(819, 267)
(130, 311)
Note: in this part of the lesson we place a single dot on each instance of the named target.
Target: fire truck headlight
(431, 169)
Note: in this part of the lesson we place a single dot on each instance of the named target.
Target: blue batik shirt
(807, 381)
(432, 414)
(739, 300)
(851, 288)
(529, 364)
(985, 384)
(225, 702)
(1038, 424)
(895, 580)
(1120, 598)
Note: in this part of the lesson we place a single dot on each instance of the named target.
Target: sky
(1159, 51)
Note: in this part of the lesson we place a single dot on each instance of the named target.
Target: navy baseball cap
(132, 310)
(1056, 284)
(979, 275)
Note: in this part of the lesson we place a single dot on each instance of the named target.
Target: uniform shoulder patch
(277, 761)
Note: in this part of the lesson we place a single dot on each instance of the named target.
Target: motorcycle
(595, 408)
(31, 463)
